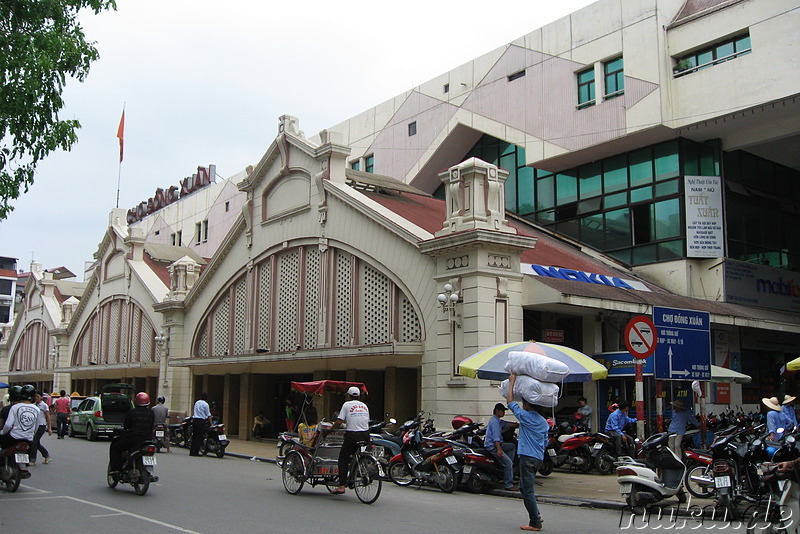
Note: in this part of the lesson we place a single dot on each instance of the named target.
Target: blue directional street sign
(683, 351)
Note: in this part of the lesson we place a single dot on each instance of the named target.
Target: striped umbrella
(791, 367)
(488, 363)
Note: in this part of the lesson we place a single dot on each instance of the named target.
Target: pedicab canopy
(318, 387)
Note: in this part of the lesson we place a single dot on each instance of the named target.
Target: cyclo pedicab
(319, 463)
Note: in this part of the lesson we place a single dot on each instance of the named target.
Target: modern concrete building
(650, 143)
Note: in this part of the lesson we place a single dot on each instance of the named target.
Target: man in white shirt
(354, 416)
(201, 420)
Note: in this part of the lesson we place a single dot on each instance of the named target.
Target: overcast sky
(204, 82)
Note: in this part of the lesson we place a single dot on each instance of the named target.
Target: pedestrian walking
(43, 425)
(532, 442)
(63, 408)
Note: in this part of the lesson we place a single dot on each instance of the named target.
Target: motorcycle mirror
(790, 439)
(392, 421)
(757, 443)
(780, 430)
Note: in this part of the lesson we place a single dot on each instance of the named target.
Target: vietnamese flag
(121, 134)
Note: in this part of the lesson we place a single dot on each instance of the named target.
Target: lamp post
(447, 302)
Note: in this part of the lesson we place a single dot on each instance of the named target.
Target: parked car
(99, 416)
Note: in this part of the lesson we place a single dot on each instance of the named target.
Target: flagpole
(121, 137)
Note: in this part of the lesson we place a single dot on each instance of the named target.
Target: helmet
(142, 399)
(27, 392)
(161, 400)
(15, 393)
(459, 421)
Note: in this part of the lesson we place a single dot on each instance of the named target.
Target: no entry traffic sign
(640, 337)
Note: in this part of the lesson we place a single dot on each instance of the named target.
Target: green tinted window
(590, 205)
(525, 190)
(590, 179)
(566, 189)
(545, 193)
(670, 250)
(667, 215)
(369, 163)
(742, 43)
(644, 254)
(641, 167)
(666, 160)
(615, 78)
(665, 189)
(593, 231)
(615, 200)
(511, 193)
(643, 193)
(618, 229)
(725, 49)
(615, 173)
(586, 87)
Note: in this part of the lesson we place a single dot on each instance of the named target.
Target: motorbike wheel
(547, 466)
(293, 473)
(697, 490)
(400, 474)
(604, 463)
(631, 501)
(586, 460)
(112, 482)
(220, 452)
(12, 484)
(475, 484)
(143, 483)
(366, 479)
(446, 481)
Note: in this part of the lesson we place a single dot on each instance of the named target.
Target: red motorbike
(569, 448)
(699, 478)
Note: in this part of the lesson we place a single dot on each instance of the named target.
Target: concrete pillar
(245, 405)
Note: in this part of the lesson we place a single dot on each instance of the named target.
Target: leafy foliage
(41, 44)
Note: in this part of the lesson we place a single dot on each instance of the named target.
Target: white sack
(536, 366)
(532, 390)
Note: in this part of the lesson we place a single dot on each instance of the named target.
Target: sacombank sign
(582, 276)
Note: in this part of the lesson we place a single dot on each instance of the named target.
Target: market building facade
(631, 141)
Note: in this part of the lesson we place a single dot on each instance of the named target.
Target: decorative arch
(307, 297)
(32, 349)
(119, 331)
(289, 194)
(114, 266)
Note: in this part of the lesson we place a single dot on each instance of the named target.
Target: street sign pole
(639, 399)
(641, 339)
(659, 406)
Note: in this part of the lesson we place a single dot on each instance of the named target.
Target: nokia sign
(163, 198)
(582, 276)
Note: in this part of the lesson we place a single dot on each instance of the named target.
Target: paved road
(231, 495)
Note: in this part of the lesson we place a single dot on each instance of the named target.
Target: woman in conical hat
(774, 417)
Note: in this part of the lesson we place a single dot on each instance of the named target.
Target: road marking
(116, 511)
(106, 515)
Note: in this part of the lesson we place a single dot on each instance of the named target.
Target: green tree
(41, 45)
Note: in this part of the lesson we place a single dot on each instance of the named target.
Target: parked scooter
(416, 463)
(639, 483)
(569, 448)
(782, 493)
(216, 441)
(385, 445)
(179, 433)
(603, 453)
(699, 478)
(13, 465)
(137, 469)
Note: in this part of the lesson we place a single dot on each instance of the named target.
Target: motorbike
(783, 493)
(160, 437)
(569, 448)
(216, 441)
(603, 453)
(416, 463)
(13, 463)
(179, 433)
(641, 485)
(137, 469)
(699, 478)
(385, 444)
(734, 467)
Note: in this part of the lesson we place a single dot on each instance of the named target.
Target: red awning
(318, 387)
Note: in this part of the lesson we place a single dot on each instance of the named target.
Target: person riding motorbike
(615, 428)
(138, 428)
(22, 419)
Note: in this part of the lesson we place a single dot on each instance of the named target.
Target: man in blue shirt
(533, 430)
(615, 427)
(677, 427)
(775, 421)
(789, 417)
(495, 445)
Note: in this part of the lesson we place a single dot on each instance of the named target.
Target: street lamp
(448, 299)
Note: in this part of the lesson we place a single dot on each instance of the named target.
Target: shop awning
(723, 374)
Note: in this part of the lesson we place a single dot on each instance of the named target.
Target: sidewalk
(561, 487)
